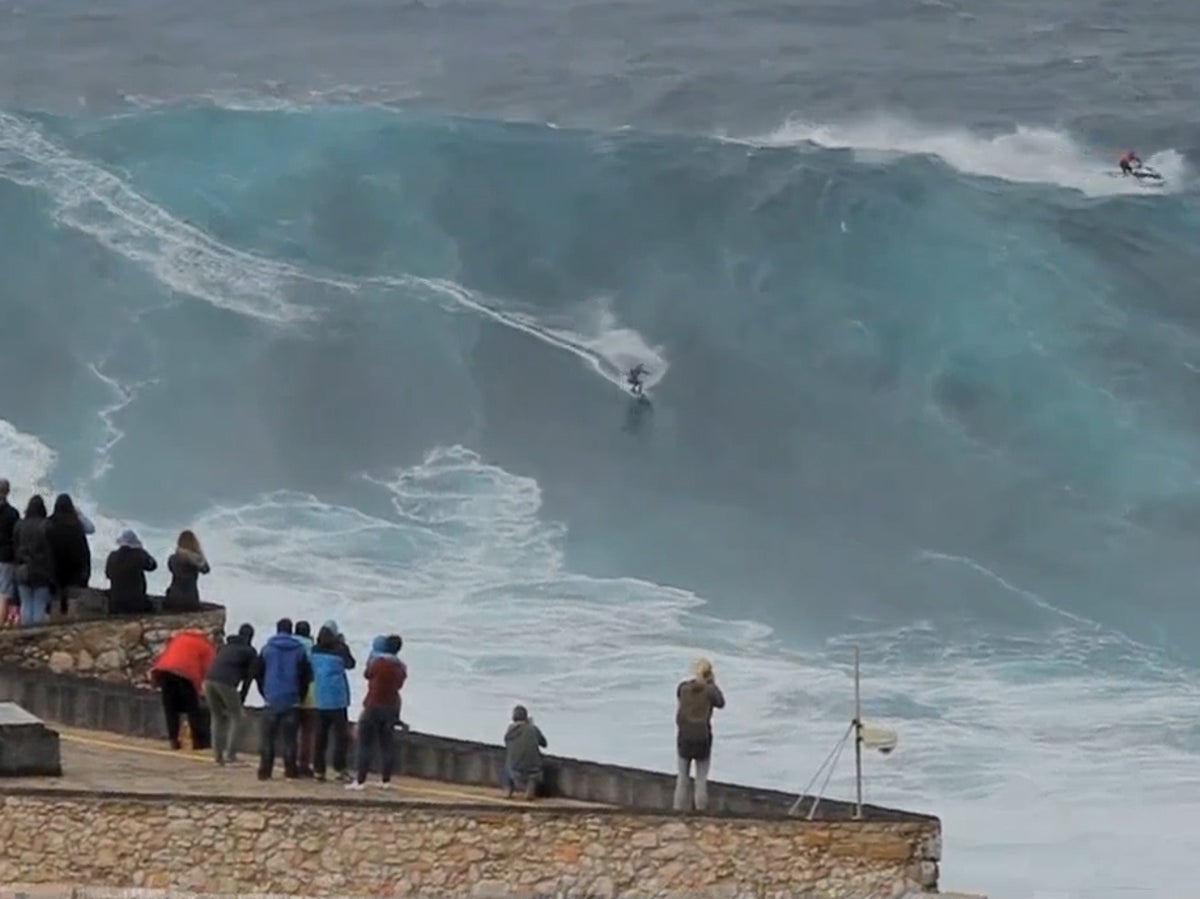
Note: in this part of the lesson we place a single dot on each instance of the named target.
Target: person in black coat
(126, 571)
(35, 569)
(68, 532)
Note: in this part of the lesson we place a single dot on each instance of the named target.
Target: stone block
(86, 603)
(27, 747)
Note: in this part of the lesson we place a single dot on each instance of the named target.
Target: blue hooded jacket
(285, 672)
(331, 687)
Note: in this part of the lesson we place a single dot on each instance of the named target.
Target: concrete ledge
(123, 709)
(27, 747)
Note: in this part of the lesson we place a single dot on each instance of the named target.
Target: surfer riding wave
(634, 378)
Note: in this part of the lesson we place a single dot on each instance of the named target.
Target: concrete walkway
(104, 762)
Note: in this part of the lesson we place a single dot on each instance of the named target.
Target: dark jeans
(278, 725)
(330, 722)
(377, 727)
(179, 698)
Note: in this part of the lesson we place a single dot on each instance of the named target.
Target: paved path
(100, 761)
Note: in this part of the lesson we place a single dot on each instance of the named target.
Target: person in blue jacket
(283, 676)
(331, 659)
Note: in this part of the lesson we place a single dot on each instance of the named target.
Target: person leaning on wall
(179, 673)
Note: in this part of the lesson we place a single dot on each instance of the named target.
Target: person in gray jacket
(225, 687)
(523, 742)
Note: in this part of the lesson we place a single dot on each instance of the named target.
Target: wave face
(929, 392)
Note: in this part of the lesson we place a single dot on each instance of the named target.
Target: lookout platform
(102, 762)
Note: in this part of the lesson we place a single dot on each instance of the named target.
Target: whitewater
(923, 381)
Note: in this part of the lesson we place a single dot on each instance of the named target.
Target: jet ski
(1145, 173)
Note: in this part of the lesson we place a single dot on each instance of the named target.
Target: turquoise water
(924, 377)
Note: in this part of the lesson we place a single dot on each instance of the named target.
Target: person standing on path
(385, 675)
(284, 674)
(225, 688)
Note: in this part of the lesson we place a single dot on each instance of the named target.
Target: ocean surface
(348, 287)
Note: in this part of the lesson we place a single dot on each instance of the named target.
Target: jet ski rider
(1130, 161)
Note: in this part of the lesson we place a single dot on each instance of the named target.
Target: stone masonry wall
(326, 848)
(118, 649)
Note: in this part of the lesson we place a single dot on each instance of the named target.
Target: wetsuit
(635, 379)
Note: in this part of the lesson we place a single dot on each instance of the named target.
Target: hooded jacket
(188, 654)
(126, 569)
(331, 659)
(385, 675)
(523, 743)
(284, 672)
(331, 687)
(341, 645)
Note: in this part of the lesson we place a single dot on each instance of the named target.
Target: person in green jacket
(523, 743)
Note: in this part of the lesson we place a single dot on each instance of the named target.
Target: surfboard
(642, 397)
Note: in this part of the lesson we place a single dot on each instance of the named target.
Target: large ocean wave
(930, 392)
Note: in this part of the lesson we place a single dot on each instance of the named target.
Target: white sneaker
(355, 785)
(384, 786)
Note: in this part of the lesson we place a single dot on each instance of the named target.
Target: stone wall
(117, 649)
(322, 847)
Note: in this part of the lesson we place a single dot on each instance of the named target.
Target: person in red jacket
(179, 673)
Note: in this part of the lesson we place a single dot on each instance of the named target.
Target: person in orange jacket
(179, 673)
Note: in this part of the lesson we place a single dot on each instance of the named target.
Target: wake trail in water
(182, 256)
(1026, 155)
(186, 259)
(609, 349)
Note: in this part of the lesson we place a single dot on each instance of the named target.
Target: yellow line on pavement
(202, 757)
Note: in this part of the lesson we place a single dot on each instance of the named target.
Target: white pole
(857, 737)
